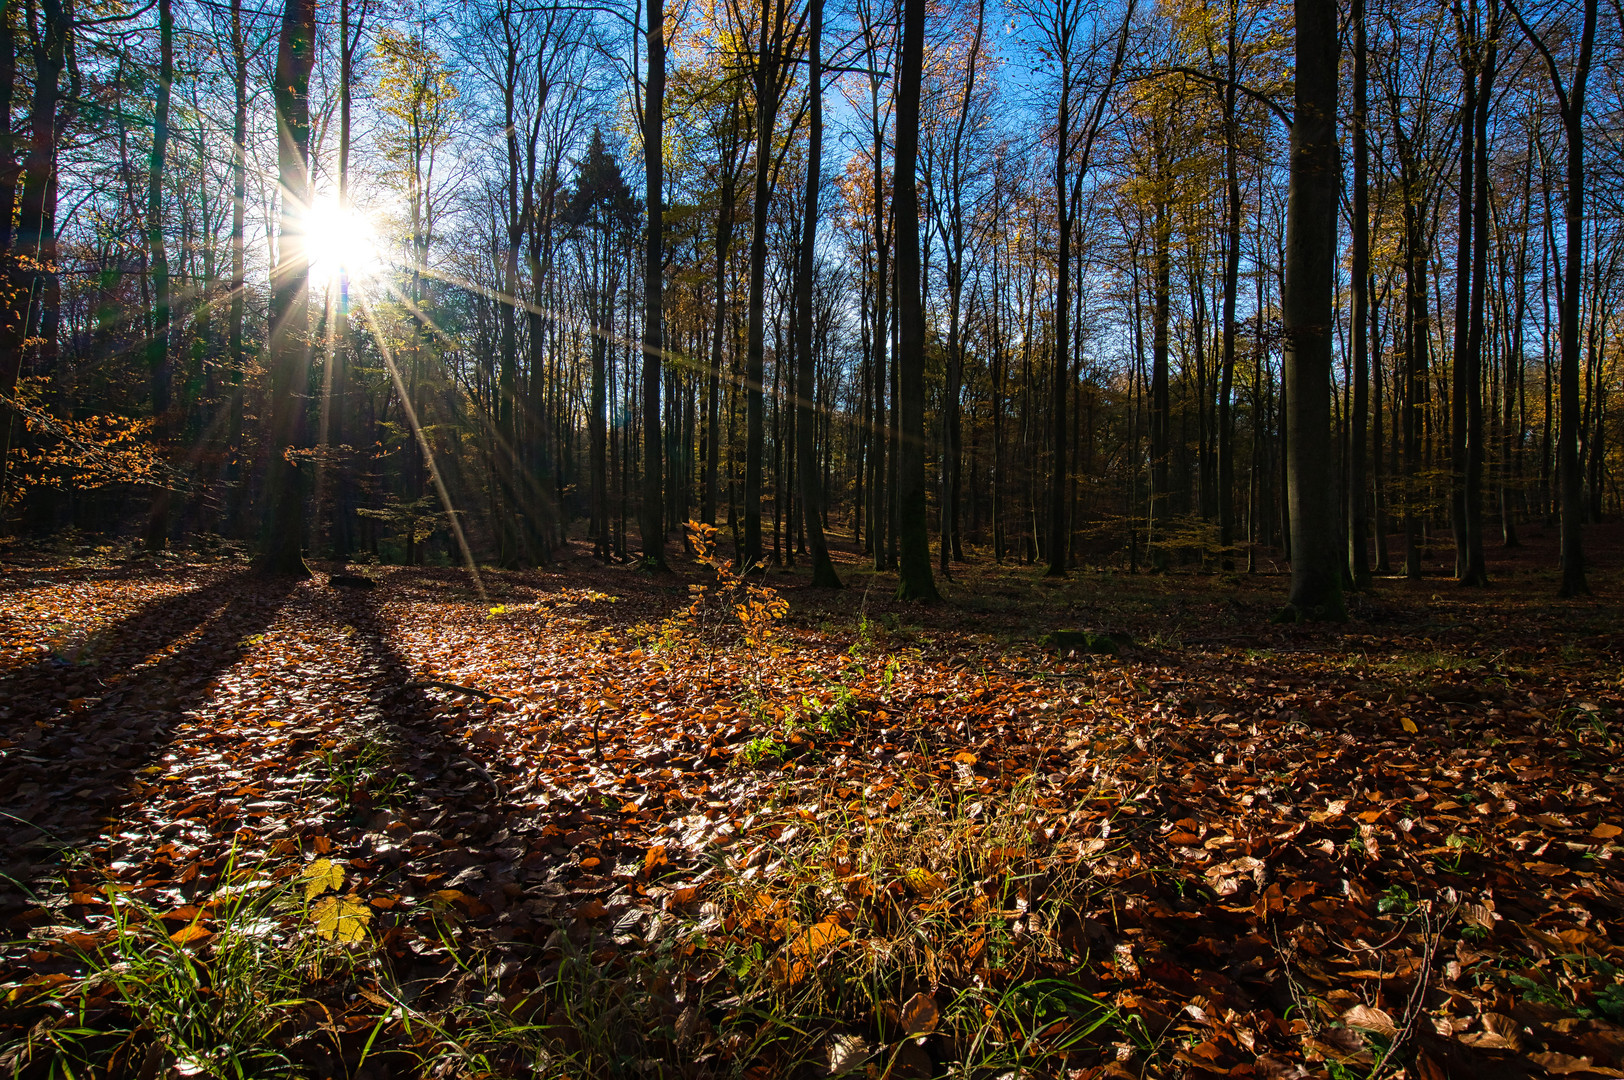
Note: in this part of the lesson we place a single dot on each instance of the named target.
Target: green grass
(221, 992)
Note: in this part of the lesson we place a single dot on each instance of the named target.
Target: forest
(811, 538)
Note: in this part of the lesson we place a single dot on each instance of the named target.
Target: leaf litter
(621, 824)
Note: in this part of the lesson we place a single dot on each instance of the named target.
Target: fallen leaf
(341, 918)
(919, 1015)
(323, 875)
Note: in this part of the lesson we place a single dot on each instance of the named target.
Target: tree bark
(1316, 563)
(14, 298)
(1358, 522)
(651, 521)
(913, 538)
(1571, 106)
(767, 88)
(236, 483)
(282, 525)
(157, 535)
(810, 481)
(1232, 273)
(1475, 570)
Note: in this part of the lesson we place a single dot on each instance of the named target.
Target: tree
(158, 343)
(1570, 104)
(653, 286)
(1477, 59)
(1316, 560)
(808, 478)
(1063, 29)
(1358, 523)
(913, 539)
(951, 180)
(352, 19)
(600, 214)
(771, 73)
(282, 529)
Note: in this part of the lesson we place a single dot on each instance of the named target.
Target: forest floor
(550, 824)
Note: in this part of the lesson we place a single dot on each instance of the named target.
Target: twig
(1416, 1006)
(484, 774)
(455, 688)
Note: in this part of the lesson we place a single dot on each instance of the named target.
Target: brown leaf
(919, 1015)
(1366, 1018)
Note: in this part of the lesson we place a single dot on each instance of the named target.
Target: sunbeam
(423, 443)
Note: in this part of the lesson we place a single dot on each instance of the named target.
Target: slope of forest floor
(585, 821)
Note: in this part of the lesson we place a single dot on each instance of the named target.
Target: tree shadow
(40, 690)
(79, 732)
(417, 731)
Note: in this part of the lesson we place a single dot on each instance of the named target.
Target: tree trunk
(1232, 273)
(879, 512)
(1358, 525)
(810, 482)
(236, 481)
(35, 251)
(1567, 450)
(1160, 399)
(1475, 570)
(1316, 563)
(1060, 373)
(755, 349)
(14, 298)
(652, 518)
(913, 538)
(157, 535)
(713, 397)
(282, 536)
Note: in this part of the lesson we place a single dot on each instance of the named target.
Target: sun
(340, 241)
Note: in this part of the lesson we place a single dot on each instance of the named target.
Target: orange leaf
(819, 937)
(190, 933)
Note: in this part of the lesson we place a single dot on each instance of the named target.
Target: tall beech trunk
(1570, 101)
(158, 371)
(879, 518)
(651, 520)
(913, 535)
(282, 528)
(1316, 561)
(1463, 298)
(1232, 275)
(342, 529)
(236, 482)
(13, 284)
(724, 243)
(1475, 570)
(38, 288)
(808, 477)
(767, 80)
(1358, 522)
(1161, 507)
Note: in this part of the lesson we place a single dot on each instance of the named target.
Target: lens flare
(340, 241)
